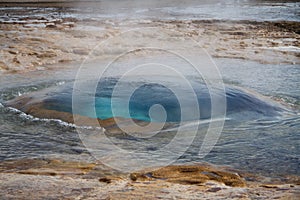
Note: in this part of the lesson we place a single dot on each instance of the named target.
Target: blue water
(239, 102)
(259, 135)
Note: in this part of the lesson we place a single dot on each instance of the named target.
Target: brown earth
(28, 47)
(58, 179)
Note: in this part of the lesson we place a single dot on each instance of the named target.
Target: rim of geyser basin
(109, 153)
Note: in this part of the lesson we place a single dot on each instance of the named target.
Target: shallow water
(155, 10)
(267, 146)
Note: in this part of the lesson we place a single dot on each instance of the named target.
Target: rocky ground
(58, 179)
(42, 44)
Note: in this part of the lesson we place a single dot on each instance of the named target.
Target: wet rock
(3, 66)
(13, 52)
(140, 177)
(50, 167)
(58, 179)
(16, 60)
(289, 26)
(269, 186)
(64, 60)
(215, 189)
(110, 179)
(191, 175)
(80, 51)
(221, 38)
(69, 24)
(105, 180)
(51, 172)
(51, 25)
(47, 54)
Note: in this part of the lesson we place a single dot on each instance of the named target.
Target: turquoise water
(259, 136)
(239, 103)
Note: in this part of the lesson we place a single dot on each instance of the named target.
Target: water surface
(269, 146)
(155, 10)
(257, 143)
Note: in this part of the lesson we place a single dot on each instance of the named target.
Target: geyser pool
(240, 105)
